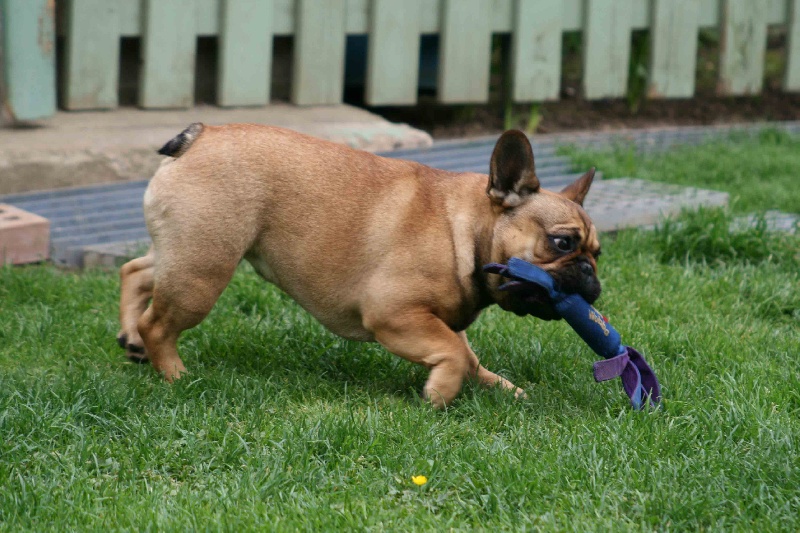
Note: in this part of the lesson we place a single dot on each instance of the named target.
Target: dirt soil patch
(571, 112)
(445, 122)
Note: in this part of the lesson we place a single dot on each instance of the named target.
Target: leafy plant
(637, 70)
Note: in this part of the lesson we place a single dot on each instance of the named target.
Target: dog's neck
(473, 231)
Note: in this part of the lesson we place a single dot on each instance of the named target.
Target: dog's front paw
(133, 346)
(490, 379)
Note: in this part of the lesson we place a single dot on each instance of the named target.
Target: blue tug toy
(621, 361)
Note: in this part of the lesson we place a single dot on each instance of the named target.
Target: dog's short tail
(178, 145)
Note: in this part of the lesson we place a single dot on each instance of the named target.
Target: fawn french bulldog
(376, 249)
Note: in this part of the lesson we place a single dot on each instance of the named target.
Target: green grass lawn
(759, 172)
(282, 426)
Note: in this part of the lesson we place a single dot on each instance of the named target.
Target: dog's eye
(564, 244)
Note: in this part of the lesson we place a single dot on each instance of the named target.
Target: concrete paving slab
(774, 220)
(626, 203)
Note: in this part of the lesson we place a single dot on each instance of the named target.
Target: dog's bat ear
(512, 175)
(578, 189)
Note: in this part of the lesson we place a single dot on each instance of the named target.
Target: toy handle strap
(648, 377)
(637, 377)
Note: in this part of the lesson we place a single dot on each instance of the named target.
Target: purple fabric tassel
(637, 377)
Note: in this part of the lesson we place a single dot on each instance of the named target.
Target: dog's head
(545, 228)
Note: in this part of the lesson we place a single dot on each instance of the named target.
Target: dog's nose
(587, 269)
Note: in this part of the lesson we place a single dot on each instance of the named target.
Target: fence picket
(318, 71)
(743, 43)
(465, 47)
(27, 60)
(606, 48)
(91, 55)
(791, 80)
(169, 39)
(536, 50)
(673, 48)
(393, 53)
(245, 52)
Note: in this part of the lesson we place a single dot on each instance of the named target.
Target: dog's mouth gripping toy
(621, 361)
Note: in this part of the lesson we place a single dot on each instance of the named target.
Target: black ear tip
(588, 175)
(512, 136)
(514, 141)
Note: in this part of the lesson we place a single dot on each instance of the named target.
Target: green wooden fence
(169, 29)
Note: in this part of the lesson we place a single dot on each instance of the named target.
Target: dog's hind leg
(187, 285)
(136, 289)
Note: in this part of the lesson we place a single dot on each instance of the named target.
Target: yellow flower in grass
(419, 480)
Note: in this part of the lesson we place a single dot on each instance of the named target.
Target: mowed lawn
(283, 426)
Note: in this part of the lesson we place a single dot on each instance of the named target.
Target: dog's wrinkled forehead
(550, 209)
(588, 232)
(550, 214)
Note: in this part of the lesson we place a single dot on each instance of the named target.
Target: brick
(24, 236)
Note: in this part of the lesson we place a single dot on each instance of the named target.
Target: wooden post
(673, 49)
(536, 50)
(465, 48)
(27, 57)
(319, 42)
(743, 43)
(245, 52)
(169, 37)
(393, 53)
(606, 48)
(791, 80)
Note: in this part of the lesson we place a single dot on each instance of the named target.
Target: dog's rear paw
(122, 340)
(133, 351)
(138, 358)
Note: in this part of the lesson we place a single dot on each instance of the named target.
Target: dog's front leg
(424, 339)
(486, 377)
